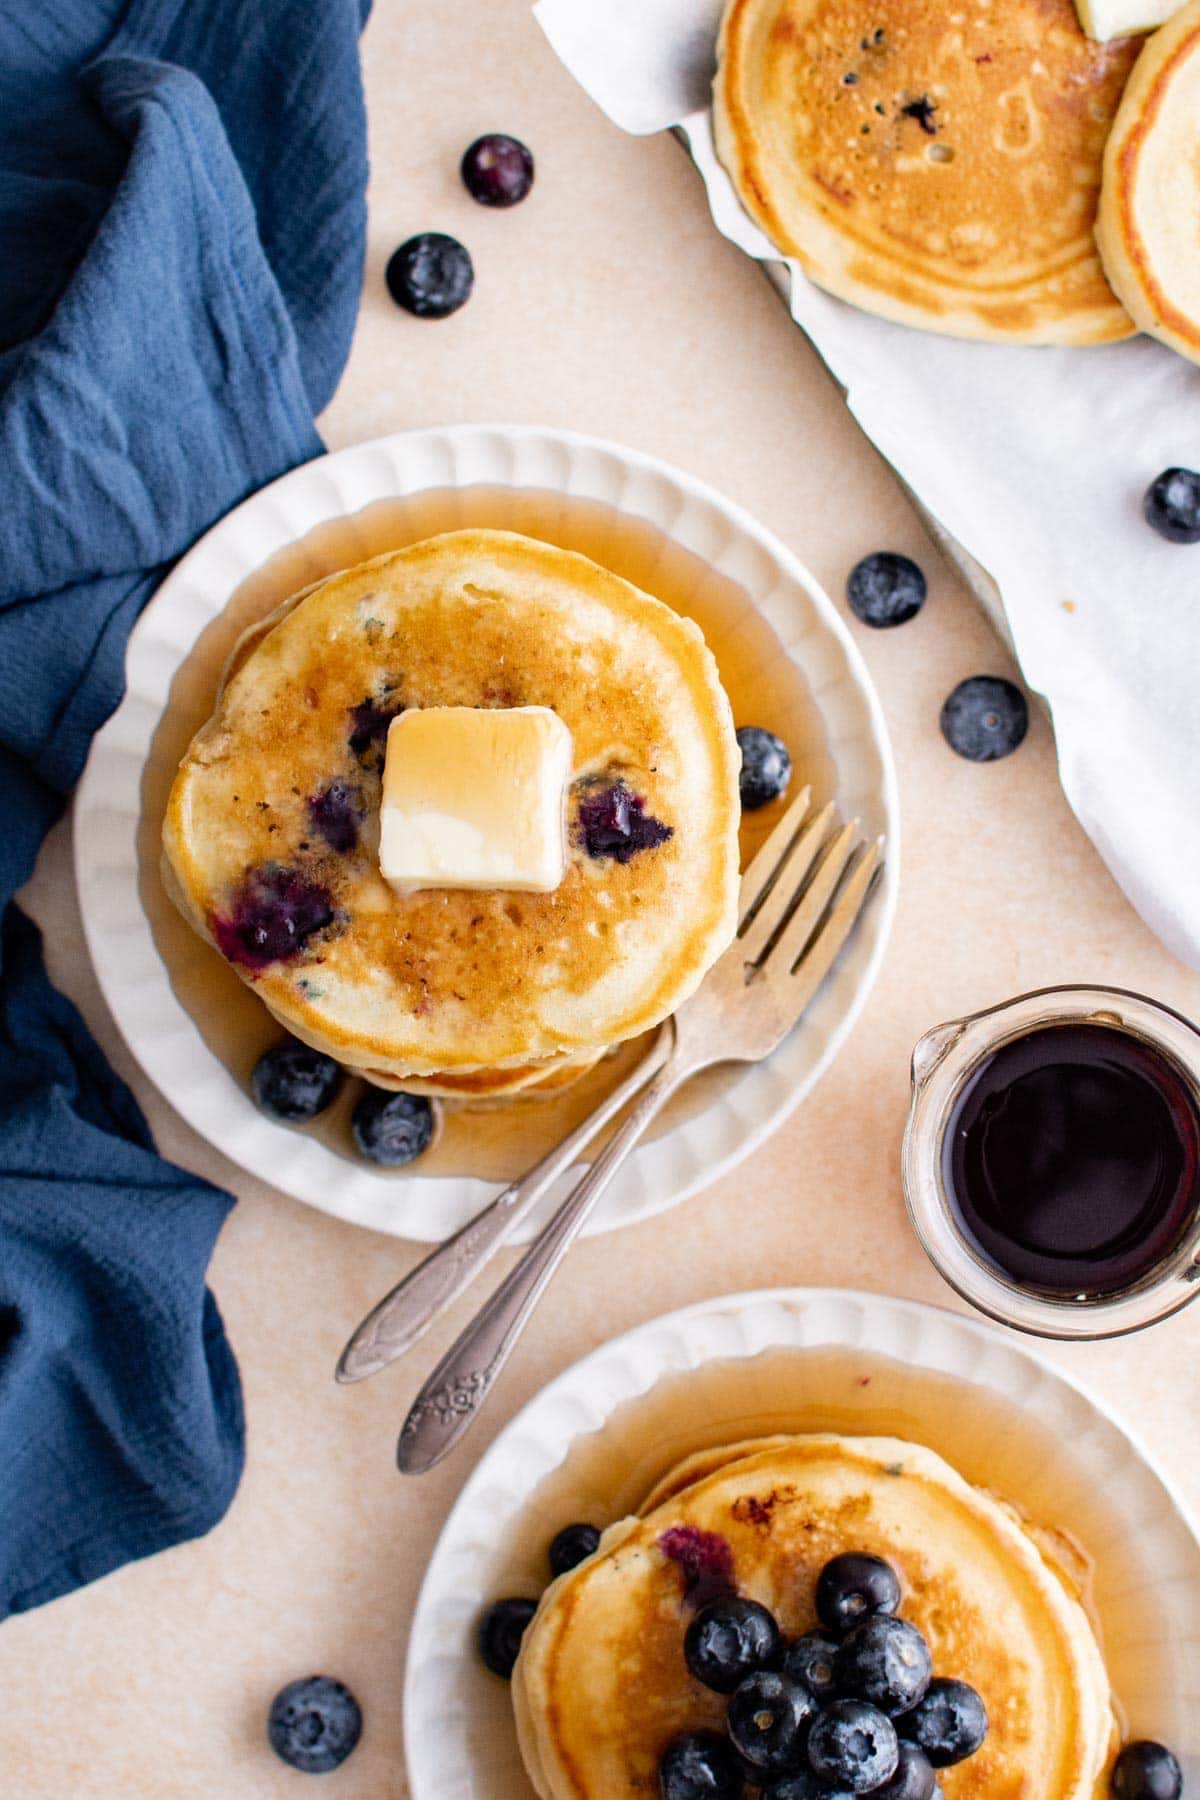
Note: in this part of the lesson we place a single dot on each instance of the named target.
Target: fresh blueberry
(1172, 505)
(886, 1661)
(1146, 1771)
(914, 1778)
(853, 1587)
(431, 275)
(985, 718)
(500, 1632)
(314, 1724)
(272, 915)
(392, 1129)
(699, 1765)
(497, 170)
(885, 589)
(335, 814)
(853, 1746)
(728, 1640)
(571, 1546)
(293, 1082)
(803, 1785)
(949, 1724)
(809, 1660)
(614, 822)
(768, 1720)
(766, 767)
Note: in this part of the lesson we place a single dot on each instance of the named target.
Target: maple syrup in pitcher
(1071, 1159)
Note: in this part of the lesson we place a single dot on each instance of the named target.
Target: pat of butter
(473, 798)
(1104, 19)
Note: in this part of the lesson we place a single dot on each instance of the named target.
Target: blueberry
(985, 718)
(335, 814)
(768, 1720)
(766, 767)
(699, 1765)
(293, 1082)
(271, 917)
(497, 170)
(500, 1632)
(704, 1558)
(1146, 1771)
(370, 722)
(728, 1640)
(809, 1660)
(392, 1129)
(853, 1587)
(570, 1546)
(314, 1724)
(886, 1661)
(613, 821)
(431, 275)
(853, 1746)
(803, 1785)
(914, 1778)
(949, 1724)
(885, 589)
(1172, 505)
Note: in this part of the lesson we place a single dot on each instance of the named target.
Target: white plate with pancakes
(600, 1438)
(783, 655)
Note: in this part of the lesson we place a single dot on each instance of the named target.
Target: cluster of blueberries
(850, 1708)
(431, 274)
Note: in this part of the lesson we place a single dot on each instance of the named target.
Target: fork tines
(808, 877)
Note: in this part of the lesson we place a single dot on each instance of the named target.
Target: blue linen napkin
(182, 224)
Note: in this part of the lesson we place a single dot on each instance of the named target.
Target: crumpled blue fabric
(182, 226)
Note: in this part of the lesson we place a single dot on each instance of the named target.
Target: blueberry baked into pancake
(464, 816)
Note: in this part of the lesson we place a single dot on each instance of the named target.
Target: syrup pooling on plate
(1072, 1159)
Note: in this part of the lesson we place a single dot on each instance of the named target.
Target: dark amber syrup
(1072, 1160)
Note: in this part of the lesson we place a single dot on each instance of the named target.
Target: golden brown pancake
(1149, 225)
(271, 834)
(939, 166)
(601, 1685)
(478, 1087)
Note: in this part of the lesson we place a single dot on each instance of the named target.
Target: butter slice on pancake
(272, 829)
(1149, 224)
(939, 166)
(601, 1686)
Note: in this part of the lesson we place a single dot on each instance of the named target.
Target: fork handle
(406, 1313)
(453, 1395)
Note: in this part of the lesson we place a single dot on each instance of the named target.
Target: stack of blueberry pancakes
(815, 1615)
(549, 759)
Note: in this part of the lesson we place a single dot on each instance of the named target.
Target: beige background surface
(607, 303)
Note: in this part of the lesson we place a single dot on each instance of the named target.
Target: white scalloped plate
(168, 676)
(1096, 1478)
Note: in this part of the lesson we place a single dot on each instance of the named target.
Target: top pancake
(1148, 228)
(601, 1685)
(450, 979)
(938, 166)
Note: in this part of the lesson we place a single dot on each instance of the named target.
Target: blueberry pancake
(272, 832)
(937, 166)
(601, 1686)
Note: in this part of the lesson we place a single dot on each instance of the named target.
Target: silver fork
(799, 899)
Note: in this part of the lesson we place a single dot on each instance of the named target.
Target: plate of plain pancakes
(1039, 1550)
(941, 171)
(477, 565)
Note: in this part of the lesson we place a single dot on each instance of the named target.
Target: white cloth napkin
(1035, 459)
